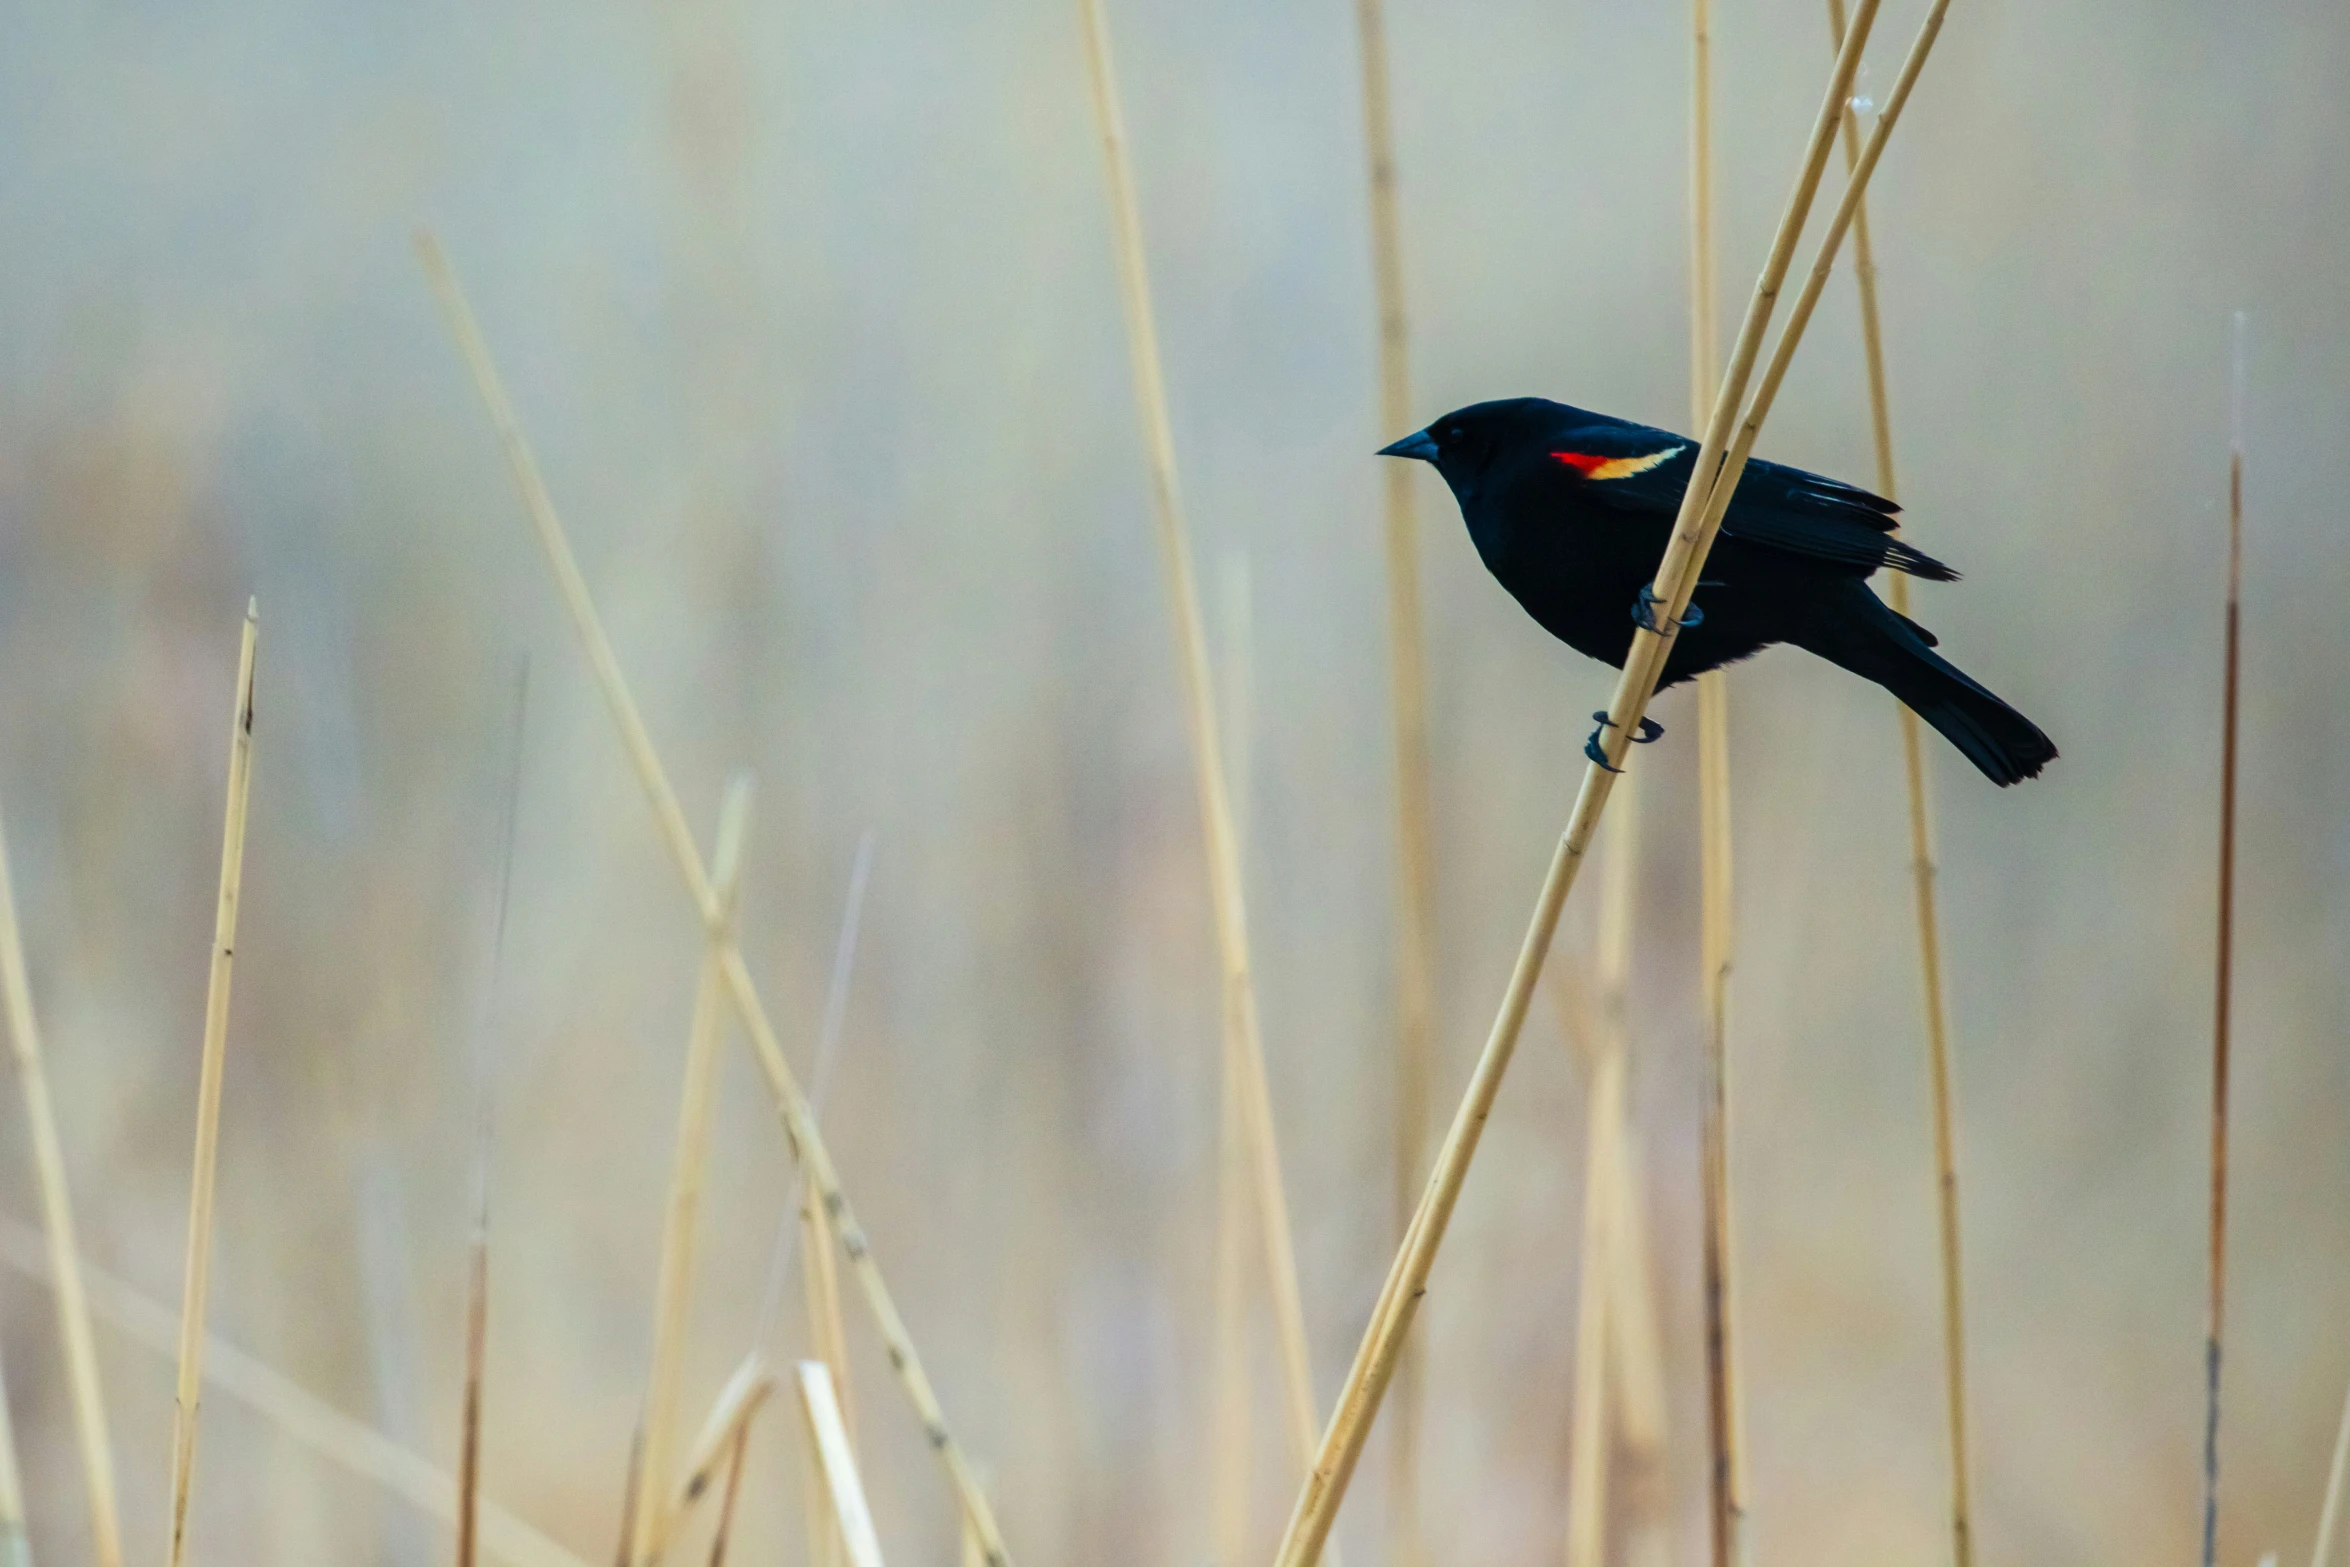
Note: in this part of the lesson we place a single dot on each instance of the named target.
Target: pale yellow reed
(73, 1309)
(1391, 1317)
(792, 1106)
(224, 949)
(697, 1101)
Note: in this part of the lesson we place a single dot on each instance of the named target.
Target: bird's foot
(1644, 614)
(1649, 733)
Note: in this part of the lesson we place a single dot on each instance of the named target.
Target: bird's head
(1464, 444)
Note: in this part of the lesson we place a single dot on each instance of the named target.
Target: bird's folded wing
(1636, 469)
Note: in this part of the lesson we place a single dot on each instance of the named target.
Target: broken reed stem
(2226, 952)
(828, 1342)
(2330, 1514)
(311, 1422)
(1223, 853)
(724, 1531)
(842, 1486)
(628, 1494)
(1415, 950)
(729, 1419)
(224, 947)
(689, 1164)
(15, 1549)
(1921, 858)
(73, 1308)
(1692, 537)
(791, 1104)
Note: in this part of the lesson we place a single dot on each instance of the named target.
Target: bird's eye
(1451, 432)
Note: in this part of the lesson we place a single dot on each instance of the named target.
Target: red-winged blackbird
(1572, 510)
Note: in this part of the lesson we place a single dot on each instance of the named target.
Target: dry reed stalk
(477, 1332)
(1228, 1422)
(224, 947)
(689, 1164)
(842, 1486)
(15, 1549)
(1823, 264)
(2224, 988)
(73, 1310)
(730, 1416)
(1601, 1338)
(1230, 1384)
(828, 1342)
(792, 1107)
(1717, 926)
(1589, 1436)
(724, 1532)
(1922, 873)
(1676, 578)
(1223, 850)
(485, 1122)
(628, 1494)
(1415, 952)
(1635, 1357)
(351, 1445)
(1636, 1361)
(2331, 1513)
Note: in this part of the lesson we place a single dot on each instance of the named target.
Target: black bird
(1571, 511)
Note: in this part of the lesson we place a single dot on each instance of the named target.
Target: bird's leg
(1649, 733)
(1644, 610)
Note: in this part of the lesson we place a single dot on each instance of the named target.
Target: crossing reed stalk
(1391, 1317)
(792, 1107)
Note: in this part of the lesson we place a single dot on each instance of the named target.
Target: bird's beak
(1419, 444)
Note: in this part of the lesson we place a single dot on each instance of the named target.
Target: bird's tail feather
(1877, 644)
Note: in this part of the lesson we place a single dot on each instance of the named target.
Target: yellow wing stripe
(1626, 467)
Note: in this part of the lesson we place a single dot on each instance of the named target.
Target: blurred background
(811, 314)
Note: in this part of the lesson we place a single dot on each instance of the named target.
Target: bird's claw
(1644, 615)
(1649, 732)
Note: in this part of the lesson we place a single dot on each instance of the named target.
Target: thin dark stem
(2224, 988)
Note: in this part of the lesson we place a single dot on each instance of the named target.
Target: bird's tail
(1868, 638)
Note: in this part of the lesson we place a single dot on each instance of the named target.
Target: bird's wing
(1633, 468)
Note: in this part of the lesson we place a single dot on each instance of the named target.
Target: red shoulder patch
(1592, 466)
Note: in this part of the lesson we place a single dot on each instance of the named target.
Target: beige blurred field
(810, 312)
